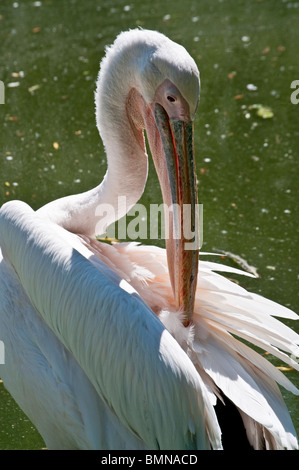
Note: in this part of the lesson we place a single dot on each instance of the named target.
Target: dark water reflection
(247, 53)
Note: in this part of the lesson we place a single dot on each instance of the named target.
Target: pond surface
(247, 154)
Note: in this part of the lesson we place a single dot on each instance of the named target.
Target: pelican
(127, 346)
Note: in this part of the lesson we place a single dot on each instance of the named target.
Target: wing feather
(127, 354)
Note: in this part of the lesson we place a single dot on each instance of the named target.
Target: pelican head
(153, 83)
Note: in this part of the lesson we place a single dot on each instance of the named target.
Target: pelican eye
(171, 98)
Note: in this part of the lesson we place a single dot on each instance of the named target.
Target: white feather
(223, 307)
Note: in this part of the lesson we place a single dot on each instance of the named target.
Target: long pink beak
(177, 176)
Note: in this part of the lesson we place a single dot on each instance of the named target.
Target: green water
(247, 53)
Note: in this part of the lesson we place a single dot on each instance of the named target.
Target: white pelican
(112, 347)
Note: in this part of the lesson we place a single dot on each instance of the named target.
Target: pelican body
(127, 346)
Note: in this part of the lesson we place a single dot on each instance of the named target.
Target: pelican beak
(176, 172)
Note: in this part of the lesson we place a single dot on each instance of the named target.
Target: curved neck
(91, 212)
